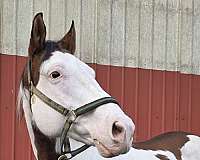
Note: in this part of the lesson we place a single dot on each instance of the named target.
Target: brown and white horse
(63, 78)
(55, 72)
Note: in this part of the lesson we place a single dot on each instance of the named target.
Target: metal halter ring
(71, 116)
(65, 156)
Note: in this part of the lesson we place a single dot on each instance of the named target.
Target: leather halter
(70, 115)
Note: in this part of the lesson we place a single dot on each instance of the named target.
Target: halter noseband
(70, 115)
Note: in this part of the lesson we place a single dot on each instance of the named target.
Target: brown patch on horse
(171, 141)
(162, 157)
(45, 146)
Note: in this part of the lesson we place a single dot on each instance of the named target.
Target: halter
(70, 115)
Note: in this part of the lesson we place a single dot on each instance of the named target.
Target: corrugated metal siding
(13, 135)
(156, 34)
(158, 101)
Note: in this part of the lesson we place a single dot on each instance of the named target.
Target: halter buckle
(71, 116)
(33, 99)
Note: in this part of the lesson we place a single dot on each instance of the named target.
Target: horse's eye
(55, 74)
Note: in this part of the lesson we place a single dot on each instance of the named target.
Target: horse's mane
(20, 98)
(19, 110)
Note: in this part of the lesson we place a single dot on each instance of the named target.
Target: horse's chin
(105, 151)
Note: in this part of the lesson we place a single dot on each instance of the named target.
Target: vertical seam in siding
(190, 103)
(179, 36)
(137, 69)
(13, 91)
(123, 68)
(110, 45)
(163, 100)
(177, 102)
(191, 58)
(33, 9)
(166, 31)
(180, 23)
(13, 111)
(152, 32)
(1, 26)
(191, 77)
(151, 74)
(1, 19)
(150, 103)
(123, 84)
(49, 30)
(139, 33)
(95, 36)
(1, 15)
(0, 104)
(177, 88)
(136, 97)
(16, 26)
(179, 58)
(125, 32)
(65, 8)
(14, 104)
(95, 33)
(81, 30)
(164, 74)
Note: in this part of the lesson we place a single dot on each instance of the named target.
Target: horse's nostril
(117, 131)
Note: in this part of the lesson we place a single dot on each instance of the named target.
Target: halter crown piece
(70, 115)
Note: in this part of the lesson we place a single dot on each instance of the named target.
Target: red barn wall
(157, 101)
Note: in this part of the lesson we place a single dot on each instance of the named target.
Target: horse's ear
(38, 34)
(68, 42)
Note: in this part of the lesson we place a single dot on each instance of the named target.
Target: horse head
(59, 75)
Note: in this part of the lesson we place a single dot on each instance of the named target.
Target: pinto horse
(61, 99)
(65, 107)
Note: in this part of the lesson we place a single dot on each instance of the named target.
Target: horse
(64, 107)
(61, 98)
